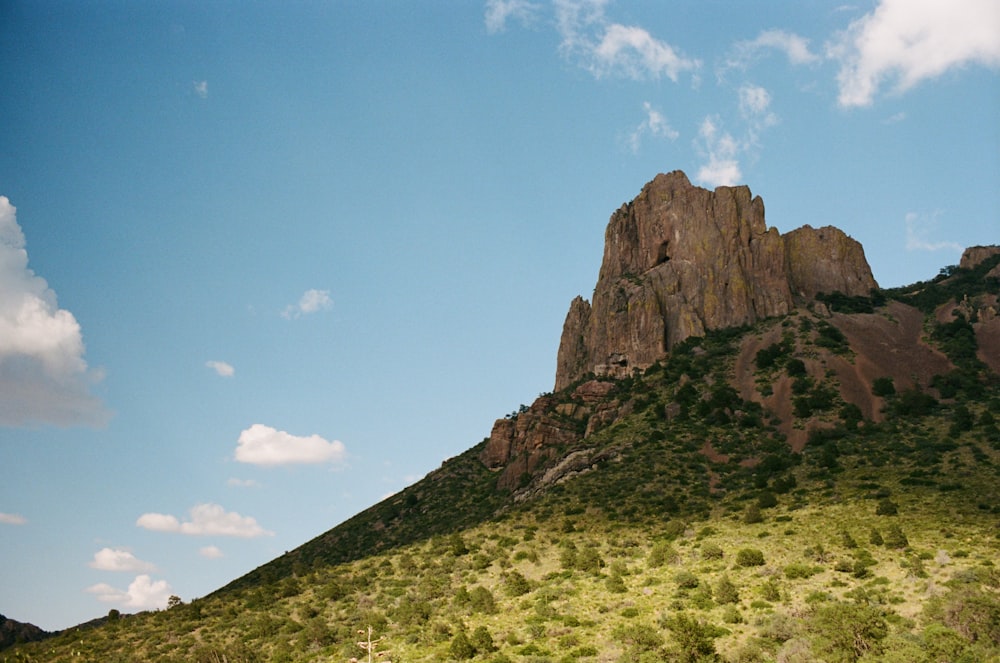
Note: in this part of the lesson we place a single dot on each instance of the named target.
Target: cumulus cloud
(904, 42)
(113, 559)
(498, 11)
(263, 445)
(221, 368)
(210, 552)
(655, 124)
(201, 89)
(611, 49)
(311, 301)
(919, 228)
(795, 48)
(205, 520)
(43, 376)
(721, 150)
(142, 593)
(12, 519)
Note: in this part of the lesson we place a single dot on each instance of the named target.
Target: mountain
(779, 462)
(14, 632)
(680, 260)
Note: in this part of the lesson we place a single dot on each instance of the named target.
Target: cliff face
(680, 260)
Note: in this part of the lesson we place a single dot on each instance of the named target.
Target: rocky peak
(680, 260)
(974, 255)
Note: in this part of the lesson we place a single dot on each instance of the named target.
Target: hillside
(803, 473)
(684, 526)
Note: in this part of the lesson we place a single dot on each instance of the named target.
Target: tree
(461, 648)
(845, 632)
(174, 601)
(726, 592)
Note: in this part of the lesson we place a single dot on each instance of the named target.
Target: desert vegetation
(695, 534)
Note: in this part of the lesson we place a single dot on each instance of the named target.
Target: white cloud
(311, 301)
(498, 11)
(612, 49)
(905, 42)
(43, 376)
(721, 151)
(893, 119)
(142, 593)
(795, 48)
(263, 445)
(655, 124)
(113, 559)
(12, 519)
(918, 231)
(201, 89)
(210, 552)
(754, 100)
(205, 520)
(221, 368)
(233, 482)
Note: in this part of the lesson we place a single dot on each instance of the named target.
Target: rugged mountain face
(680, 260)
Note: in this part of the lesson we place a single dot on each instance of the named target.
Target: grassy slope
(639, 558)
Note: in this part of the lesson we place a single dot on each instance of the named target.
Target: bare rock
(826, 260)
(680, 260)
(974, 255)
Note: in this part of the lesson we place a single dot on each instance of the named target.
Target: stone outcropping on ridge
(680, 260)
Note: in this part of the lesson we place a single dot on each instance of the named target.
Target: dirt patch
(988, 337)
(889, 343)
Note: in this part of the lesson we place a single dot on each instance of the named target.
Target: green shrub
(886, 507)
(746, 557)
(461, 649)
(847, 631)
(710, 550)
(662, 553)
(797, 571)
(883, 387)
(686, 580)
(516, 584)
(725, 591)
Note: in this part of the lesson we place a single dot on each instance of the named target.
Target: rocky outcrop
(826, 260)
(680, 260)
(974, 255)
(519, 444)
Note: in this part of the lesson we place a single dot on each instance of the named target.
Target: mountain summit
(680, 260)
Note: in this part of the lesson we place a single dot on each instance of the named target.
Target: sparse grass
(649, 553)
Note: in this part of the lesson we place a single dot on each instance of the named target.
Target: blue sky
(263, 264)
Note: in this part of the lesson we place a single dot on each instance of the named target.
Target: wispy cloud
(904, 42)
(263, 445)
(795, 48)
(655, 124)
(221, 368)
(43, 376)
(210, 552)
(311, 301)
(498, 12)
(12, 519)
(115, 559)
(720, 150)
(233, 482)
(609, 49)
(205, 520)
(142, 594)
(920, 228)
(201, 89)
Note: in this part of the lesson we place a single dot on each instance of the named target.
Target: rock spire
(680, 260)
